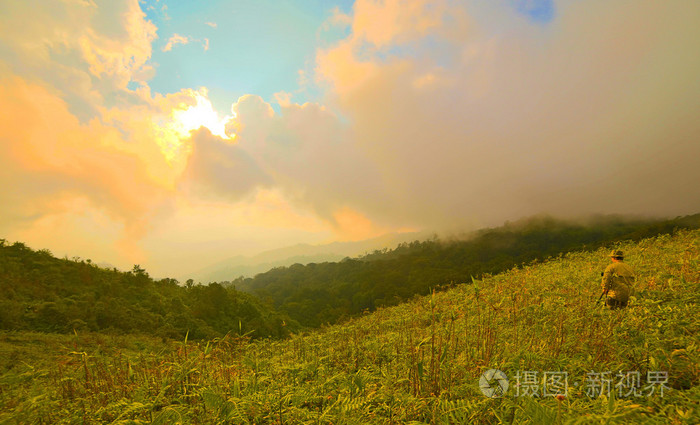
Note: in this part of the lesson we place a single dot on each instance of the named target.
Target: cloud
(180, 39)
(308, 153)
(219, 168)
(588, 114)
(283, 98)
(334, 28)
(351, 225)
(395, 22)
(540, 11)
(54, 166)
(197, 233)
(87, 51)
(119, 48)
(175, 39)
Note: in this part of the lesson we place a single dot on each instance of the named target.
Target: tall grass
(418, 362)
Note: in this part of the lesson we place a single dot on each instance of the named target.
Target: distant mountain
(249, 266)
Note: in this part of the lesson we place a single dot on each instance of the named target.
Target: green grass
(418, 362)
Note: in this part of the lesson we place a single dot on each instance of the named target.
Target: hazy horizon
(177, 134)
(304, 253)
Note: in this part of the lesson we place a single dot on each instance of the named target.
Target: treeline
(39, 292)
(317, 294)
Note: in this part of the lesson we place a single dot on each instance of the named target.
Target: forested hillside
(316, 294)
(39, 292)
(42, 293)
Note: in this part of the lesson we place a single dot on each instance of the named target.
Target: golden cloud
(175, 39)
(52, 156)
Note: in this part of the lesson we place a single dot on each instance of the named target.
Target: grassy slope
(419, 361)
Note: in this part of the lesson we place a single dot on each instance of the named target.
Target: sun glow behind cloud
(176, 128)
(201, 114)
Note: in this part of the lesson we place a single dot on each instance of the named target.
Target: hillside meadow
(567, 360)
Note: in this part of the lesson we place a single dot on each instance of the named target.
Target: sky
(174, 134)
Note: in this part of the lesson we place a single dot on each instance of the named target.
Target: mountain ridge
(249, 266)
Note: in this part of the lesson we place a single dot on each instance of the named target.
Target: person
(618, 281)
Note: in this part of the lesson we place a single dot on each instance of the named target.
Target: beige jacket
(618, 280)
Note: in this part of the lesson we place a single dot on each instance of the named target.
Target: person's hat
(616, 253)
